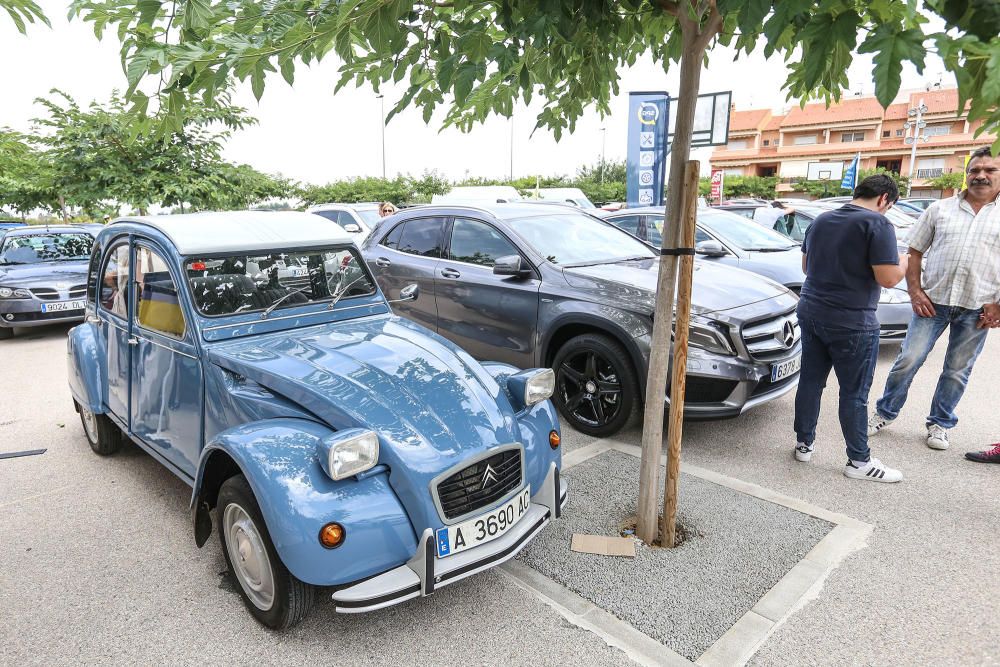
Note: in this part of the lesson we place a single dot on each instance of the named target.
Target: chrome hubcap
(89, 424)
(248, 556)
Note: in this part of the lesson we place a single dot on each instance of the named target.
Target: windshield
(369, 215)
(39, 248)
(577, 239)
(741, 233)
(249, 283)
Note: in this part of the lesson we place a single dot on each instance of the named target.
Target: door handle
(383, 262)
(133, 340)
(450, 273)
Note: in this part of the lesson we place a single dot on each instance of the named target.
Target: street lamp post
(512, 147)
(381, 99)
(604, 135)
(918, 124)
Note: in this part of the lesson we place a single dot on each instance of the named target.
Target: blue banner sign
(648, 113)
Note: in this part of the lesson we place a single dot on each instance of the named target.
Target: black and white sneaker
(874, 471)
(803, 451)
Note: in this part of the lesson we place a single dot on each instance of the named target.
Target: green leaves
(23, 12)
(891, 47)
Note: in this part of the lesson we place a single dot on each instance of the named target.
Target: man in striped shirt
(957, 244)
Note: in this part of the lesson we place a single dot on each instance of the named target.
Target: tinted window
(333, 216)
(630, 223)
(157, 303)
(701, 235)
(114, 282)
(577, 238)
(478, 243)
(741, 233)
(422, 237)
(391, 239)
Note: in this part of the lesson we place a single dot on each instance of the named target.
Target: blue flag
(647, 148)
(851, 175)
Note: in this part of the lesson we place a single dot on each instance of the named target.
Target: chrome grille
(473, 487)
(77, 291)
(773, 337)
(46, 293)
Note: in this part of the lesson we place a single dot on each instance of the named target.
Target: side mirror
(352, 228)
(711, 248)
(408, 293)
(511, 265)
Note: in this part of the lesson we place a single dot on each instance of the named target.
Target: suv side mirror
(511, 265)
(408, 293)
(352, 228)
(710, 248)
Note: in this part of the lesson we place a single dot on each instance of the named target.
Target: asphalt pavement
(97, 562)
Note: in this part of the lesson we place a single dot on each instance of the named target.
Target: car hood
(632, 284)
(46, 274)
(784, 266)
(431, 404)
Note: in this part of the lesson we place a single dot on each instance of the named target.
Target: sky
(309, 134)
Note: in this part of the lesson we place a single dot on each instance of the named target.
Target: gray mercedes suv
(536, 285)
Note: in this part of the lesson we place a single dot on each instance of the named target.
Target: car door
(492, 317)
(167, 386)
(409, 253)
(112, 310)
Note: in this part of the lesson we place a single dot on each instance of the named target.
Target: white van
(572, 196)
(471, 194)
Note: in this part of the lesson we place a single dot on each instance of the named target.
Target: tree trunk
(659, 357)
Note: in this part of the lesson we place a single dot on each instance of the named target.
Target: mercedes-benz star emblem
(489, 476)
(788, 334)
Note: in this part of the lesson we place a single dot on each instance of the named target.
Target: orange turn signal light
(553, 439)
(331, 535)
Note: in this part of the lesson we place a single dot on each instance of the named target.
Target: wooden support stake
(685, 276)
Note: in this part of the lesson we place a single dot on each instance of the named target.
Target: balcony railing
(930, 173)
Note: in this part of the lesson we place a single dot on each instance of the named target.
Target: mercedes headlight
(709, 336)
(14, 293)
(347, 453)
(894, 295)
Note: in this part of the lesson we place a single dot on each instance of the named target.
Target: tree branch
(711, 27)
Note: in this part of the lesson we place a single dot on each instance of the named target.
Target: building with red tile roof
(816, 143)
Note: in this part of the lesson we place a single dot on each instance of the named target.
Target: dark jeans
(852, 355)
(965, 342)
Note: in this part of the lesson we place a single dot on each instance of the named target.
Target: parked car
(534, 285)
(355, 219)
(723, 238)
(920, 202)
(43, 275)
(902, 205)
(574, 196)
(476, 194)
(341, 446)
(794, 225)
(727, 238)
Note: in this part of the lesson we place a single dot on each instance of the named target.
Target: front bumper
(28, 313)
(894, 321)
(425, 572)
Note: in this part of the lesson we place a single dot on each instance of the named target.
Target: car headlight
(14, 293)
(531, 387)
(709, 336)
(893, 295)
(347, 453)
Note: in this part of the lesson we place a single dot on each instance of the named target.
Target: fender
(279, 459)
(605, 325)
(87, 362)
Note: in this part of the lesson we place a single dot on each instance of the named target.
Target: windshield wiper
(270, 309)
(339, 295)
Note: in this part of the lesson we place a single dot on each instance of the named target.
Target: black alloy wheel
(596, 388)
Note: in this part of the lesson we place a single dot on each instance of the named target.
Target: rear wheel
(104, 437)
(596, 387)
(272, 594)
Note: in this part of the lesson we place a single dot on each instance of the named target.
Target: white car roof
(333, 206)
(207, 233)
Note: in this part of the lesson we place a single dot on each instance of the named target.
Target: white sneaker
(937, 436)
(803, 452)
(877, 422)
(875, 471)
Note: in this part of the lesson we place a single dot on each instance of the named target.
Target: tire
(597, 391)
(104, 437)
(6, 333)
(270, 592)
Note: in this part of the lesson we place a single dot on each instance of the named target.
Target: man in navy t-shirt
(849, 254)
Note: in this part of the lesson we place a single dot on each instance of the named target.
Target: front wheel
(104, 437)
(272, 594)
(596, 387)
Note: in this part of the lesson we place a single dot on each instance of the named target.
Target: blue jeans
(965, 342)
(851, 354)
